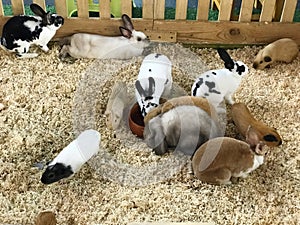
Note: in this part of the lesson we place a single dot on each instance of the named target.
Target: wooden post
(17, 7)
(203, 10)
(181, 9)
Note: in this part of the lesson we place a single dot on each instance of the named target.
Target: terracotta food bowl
(136, 121)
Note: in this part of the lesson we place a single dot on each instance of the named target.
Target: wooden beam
(61, 8)
(225, 10)
(181, 9)
(159, 9)
(246, 11)
(288, 11)
(267, 11)
(203, 10)
(104, 9)
(83, 8)
(17, 7)
(148, 9)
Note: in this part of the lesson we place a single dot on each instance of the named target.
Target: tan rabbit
(284, 50)
(221, 158)
(242, 119)
(46, 218)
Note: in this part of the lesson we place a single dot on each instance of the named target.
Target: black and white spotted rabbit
(215, 85)
(22, 31)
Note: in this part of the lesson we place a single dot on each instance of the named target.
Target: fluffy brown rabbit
(221, 158)
(283, 50)
(242, 119)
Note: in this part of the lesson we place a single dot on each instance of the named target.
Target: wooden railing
(274, 21)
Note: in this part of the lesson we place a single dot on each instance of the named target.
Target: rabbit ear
(151, 86)
(229, 63)
(125, 32)
(127, 22)
(37, 10)
(252, 138)
(140, 89)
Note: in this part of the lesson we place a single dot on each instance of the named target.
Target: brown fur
(179, 101)
(46, 218)
(284, 50)
(220, 159)
(242, 119)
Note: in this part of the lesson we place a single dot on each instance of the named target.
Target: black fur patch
(55, 173)
(214, 73)
(240, 69)
(211, 86)
(198, 84)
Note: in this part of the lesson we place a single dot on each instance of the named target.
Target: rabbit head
(56, 172)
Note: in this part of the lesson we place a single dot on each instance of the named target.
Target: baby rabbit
(154, 80)
(220, 159)
(183, 127)
(82, 45)
(284, 50)
(20, 32)
(72, 157)
(242, 119)
(215, 85)
(116, 105)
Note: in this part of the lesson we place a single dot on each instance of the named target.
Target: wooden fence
(227, 29)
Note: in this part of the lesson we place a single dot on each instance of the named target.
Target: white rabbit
(183, 123)
(83, 45)
(220, 159)
(72, 157)
(20, 32)
(215, 85)
(154, 81)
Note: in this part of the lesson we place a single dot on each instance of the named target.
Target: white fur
(160, 68)
(257, 161)
(79, 151)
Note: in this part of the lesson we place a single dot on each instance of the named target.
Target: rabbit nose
(255, 65)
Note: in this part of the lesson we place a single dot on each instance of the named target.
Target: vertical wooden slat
(126, 6)
(17, 7)
(61, 8)
(225, 10)
(288, 11)
(148, 9)
(40, 3)
(159, 9)
(203, 9)
(181, 9)
(104, 9)
(1, 9)
(246, 10)
(267, 11)
(83, 8)
(278, 9)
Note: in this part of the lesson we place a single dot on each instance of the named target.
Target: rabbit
(222, 158)
(20, 32)
(183, 127)
(153, 82)
(215, 85)
(83, 45)
(242, 119)
(116, 105)
(72, 157)
(46, 218)
(283, 50)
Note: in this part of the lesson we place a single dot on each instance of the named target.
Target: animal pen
(45, 102)
(274, 20)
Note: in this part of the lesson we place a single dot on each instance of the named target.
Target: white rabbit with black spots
(154, 81)
(215, 85)
(20, 32)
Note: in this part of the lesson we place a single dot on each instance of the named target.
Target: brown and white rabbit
(220, 159)
(242, 119)
(284, 50)
(183, 127)
(83, 45)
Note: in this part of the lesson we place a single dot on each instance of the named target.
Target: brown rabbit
(242, 119)
(46, 218)
(219, 159)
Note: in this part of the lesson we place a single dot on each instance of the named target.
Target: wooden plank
(148, 9)
(83, 8)
(278, 9)
(181, 9)
(203, 9)
(288, 11)
(1, 9)
(17, 7)
(40, 3)
(126, 6)
(104, 9)
(61, 8)
(228, 32)
(246, 11)
(225, 10)
(159, 9)
(267, 11)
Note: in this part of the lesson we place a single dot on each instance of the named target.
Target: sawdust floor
(39, 119)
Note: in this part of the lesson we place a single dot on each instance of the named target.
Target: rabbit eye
(139, 39)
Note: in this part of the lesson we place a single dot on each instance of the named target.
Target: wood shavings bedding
(37, 121)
